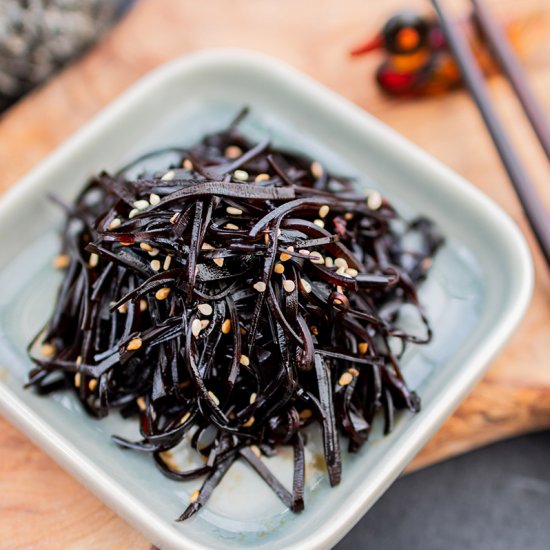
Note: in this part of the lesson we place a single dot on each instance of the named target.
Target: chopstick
(536, 214)
(511, 67)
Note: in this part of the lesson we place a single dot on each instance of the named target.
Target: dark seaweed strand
(232, 296)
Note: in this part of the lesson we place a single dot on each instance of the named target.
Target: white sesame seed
(306, 287)
(204, 323)
(170, 175)
(348, 216)
(185, 418)
(249, 422)
(143, 305)
(374, 200)
(162, 293)
(341, 262)
(231, 226)
(284, 256)
(134, 344)
(205, 309)
(319, 223)
(114, 224)
(345, 379)
(62, 261)
(279, 268)
(352, 272)
(316, 258)
(94, 260)
(133, 213)
(324, 210)
(77, 380)
(214, 397)
(341, 271)
(141, 204)
(304, 252)
(196, 327)
(262, 177)
(241, 175)
(316, 169)
(329, 262)
(145, 246)
(47, 350)
(256, 450)
(363, 347)
(140, 402)
(92, 384)
(187, 164)
(155, 265)
(260, 286)
(233, 152)
(289, 285)
(122, 309)
(167, 262)
(174, 218)
(253, 397)
(226, 326)
(244, 360)
(233, 211)
(154, 199)
(154, 252)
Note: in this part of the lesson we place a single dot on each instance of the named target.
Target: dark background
(496, 498)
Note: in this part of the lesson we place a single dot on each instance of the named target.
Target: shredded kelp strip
(231, 299)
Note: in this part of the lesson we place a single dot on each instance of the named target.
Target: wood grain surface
(43, 507)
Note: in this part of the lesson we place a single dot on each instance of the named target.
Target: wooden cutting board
(42, 506)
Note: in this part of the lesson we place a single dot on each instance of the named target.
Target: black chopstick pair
(534, 210)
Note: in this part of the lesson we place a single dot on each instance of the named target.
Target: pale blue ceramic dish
(476, 294)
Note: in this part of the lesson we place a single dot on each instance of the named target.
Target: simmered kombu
(235, 293)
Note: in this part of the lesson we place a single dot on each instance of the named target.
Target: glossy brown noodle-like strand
(230, 297)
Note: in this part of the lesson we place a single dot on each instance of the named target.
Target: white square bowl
(477, 292)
